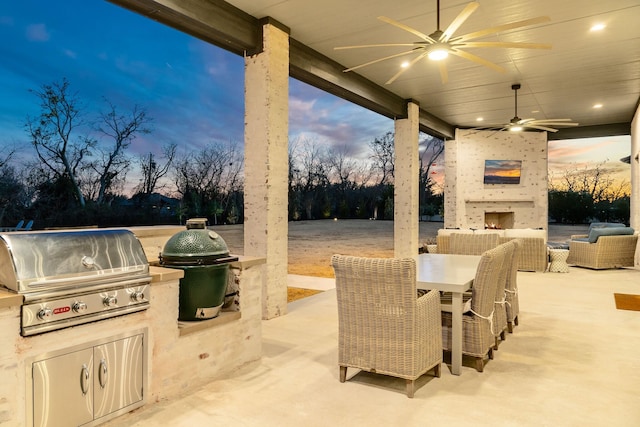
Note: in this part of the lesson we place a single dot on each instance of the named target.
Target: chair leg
(515, 321)
(410, 388)
(343, 374)
(502, 336)
(479, 364)
(437, 370)
(510, 327)
(491, 353)
(495, 343)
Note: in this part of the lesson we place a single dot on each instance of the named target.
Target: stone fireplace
(498, 220)
(470, 203)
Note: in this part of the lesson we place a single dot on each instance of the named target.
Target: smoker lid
(47, 259)
(195, 245)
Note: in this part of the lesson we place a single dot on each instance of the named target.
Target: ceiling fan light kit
(440, 44)
(516, 124)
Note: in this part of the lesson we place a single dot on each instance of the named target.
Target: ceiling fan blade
(505, 44)
(402, 70)
(554, 120)
(406, 28)
(500, 28)
(459, 20)
(541, 128)
(379, 60)
(477, 59)
(443, 72)
(378, 45)
(553, 123)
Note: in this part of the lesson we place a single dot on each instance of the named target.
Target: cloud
(37, 33)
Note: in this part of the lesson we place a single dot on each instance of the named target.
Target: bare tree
(53, 134)
(111, 166)
(154, 170)
(208, 179)
(308, 174)
(593, 179)
(383, 158)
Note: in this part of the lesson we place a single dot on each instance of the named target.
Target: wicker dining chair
(477, 324)
(383, 326)
(500, 325)
(512, 304)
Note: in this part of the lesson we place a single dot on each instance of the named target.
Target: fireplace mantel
(497, 200)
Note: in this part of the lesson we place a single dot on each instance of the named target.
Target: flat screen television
(502, 171)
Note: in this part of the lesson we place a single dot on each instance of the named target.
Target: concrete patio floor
(572, 361)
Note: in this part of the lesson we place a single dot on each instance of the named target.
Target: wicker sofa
(533, 252)
(606, 246)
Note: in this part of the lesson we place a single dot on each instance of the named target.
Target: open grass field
(312, 243)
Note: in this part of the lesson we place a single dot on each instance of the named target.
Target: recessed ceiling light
(479, 119)
(597, 106)
(598, 27)
(405, 64)
(535, 111)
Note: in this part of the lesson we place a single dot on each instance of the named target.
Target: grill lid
(194, 246)
(33, 261)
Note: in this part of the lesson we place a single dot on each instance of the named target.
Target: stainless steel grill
(69, 278)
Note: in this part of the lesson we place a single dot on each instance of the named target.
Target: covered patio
(572, 359)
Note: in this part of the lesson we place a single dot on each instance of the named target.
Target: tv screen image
(502, 171)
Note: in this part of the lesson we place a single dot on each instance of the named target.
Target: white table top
(446, 272)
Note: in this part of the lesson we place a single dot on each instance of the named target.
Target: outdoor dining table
(449, 273)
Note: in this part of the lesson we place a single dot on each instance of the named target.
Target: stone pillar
(634, 218)
(406, 181)
(266, 166)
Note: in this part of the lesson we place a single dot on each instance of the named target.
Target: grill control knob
(110, 301)
(79, 307)
(45, 313)
(137, 296)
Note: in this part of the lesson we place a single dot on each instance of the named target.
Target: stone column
(266, 165)
(634, 219)
(406, 178)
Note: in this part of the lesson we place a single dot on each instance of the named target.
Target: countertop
(158, 274)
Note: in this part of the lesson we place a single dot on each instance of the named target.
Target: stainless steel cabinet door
(63, 390)
(117, 375)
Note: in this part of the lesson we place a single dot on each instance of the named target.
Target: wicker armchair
(533, 253)
(383, 327)
(477, 324)
(606, 252)
(511, 288)
(472, 244)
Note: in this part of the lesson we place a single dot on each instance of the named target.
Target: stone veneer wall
(467, 198)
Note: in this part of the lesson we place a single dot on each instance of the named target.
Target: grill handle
(84, 379)
(102, 373)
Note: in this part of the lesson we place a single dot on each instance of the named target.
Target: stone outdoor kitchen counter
(180, 357)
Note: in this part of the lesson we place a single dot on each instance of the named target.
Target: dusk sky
(193, 91)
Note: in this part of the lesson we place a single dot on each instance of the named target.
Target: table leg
(456, 333)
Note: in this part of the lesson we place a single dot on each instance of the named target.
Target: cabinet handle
(84, 379)
(102, 373)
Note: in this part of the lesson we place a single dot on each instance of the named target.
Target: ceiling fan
(439, 44)
(516, 124)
